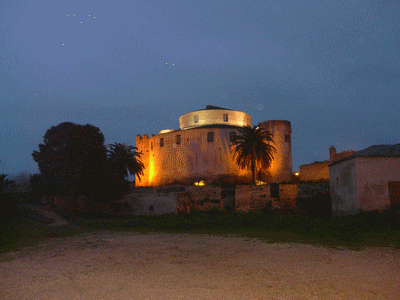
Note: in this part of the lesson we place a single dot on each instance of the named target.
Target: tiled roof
(374, 151)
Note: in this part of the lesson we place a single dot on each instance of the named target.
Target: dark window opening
(287, 138)
(151, 145)
(210, 137)
(178, 139)
(232, 137)
(225, 116)
(196, 118)
(161, 142)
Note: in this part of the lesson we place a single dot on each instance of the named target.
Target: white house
(366, 180)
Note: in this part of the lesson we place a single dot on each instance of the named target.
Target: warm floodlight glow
(200, 183)
(259, 182)
(296, 173)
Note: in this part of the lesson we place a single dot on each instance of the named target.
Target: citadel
(200, 150)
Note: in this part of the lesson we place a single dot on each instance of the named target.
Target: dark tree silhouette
(72, 159)
(124, 160)
(252, 150)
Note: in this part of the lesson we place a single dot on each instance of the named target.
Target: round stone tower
(281, 167)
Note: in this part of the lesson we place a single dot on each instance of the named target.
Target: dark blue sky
(332, 68)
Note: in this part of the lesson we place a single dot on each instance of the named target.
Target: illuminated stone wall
(187, 155)
(214, 117)
(281, 167)
(194, 158)
(315, 171)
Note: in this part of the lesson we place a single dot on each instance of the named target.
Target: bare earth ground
(182, 266)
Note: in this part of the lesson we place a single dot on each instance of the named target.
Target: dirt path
(179, 266)
(44, 211)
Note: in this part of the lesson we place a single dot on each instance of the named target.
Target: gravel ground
(181, 266)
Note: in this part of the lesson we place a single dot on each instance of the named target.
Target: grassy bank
(367, 229)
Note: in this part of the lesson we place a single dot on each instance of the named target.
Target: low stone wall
(186, 199)
(287, 196)
(254, 198)
(151, 201)
(199, 198)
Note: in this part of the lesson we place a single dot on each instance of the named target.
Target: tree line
(73, 160)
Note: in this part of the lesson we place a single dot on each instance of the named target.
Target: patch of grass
(368, 229)
(29, 227)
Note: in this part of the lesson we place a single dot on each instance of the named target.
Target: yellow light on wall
(200, 183)
(259, 182)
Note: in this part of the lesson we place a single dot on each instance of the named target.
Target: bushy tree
(252, 150)
(72, 159)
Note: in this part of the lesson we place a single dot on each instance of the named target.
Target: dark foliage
(4, 182)
(72, 160)
(124, 160)
(252, 150)
(8, 207)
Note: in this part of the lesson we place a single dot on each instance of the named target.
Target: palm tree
(124, 160)
(251, 149)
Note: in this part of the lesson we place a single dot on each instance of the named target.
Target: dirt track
(176, 266)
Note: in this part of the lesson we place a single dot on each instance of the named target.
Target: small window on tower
(232, 137)
(225, 117)
(287, 138)
(210, 137)
(178, 139)
(161, 142)
(151, 145)
(196, 118)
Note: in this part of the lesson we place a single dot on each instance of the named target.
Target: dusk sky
(331, 68)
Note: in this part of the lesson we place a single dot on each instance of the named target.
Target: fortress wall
(194, 158)
(143, 145)
(281, 167)
(314, 171)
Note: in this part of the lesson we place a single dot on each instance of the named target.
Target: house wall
(373, 174)
(315, 171)
(343, 187)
